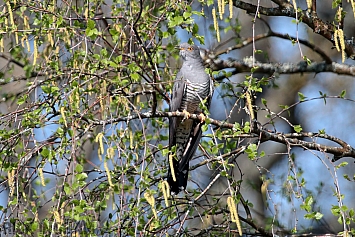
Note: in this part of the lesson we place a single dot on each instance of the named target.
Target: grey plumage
(192, 85)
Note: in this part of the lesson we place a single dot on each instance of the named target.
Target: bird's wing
(209, 99)
(175, 104)
(177, 128)
(195, 136)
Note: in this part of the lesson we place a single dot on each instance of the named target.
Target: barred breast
(194, 94)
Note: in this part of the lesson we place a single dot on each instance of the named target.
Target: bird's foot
(203, 117)
(186, 115)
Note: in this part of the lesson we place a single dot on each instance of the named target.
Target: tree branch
(290, 139)
(246, 65)
(271, 33)
(318, 26)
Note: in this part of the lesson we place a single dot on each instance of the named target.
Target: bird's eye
(190, 48)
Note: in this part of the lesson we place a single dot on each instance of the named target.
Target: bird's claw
(187, 115)
(203, 117)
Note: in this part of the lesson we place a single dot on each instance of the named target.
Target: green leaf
(79, 168)
(309, 200)
(290, 177)
(307, 60)
(166, 34)
(342, 164)
(284, 106)
(343, 208)
(307, 206)
(204, 127)
(176, 21)
(45, 152)
(340, 220)
(336, 3)
(81, 176)
(28, 70)
(195, 29)
(263, 101)
(335, 210)
(318, 216)
(34, 226)
(135, 76)
(252, 151)
(253, 69)
(297, 128)
(198, 13)
(228, 28)
(48, 89)
(346, 176)
(323, 96)
(187, 14)
(214, 150)
(246, 127)
(314, 215)
(22, 99)
(165, 152)
(301, 96)
(13, 202)
(343, 93)
(209, 2)
(90, 24)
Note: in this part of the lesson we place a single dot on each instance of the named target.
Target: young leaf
(297, 128)
(343, 93)
(301, 96)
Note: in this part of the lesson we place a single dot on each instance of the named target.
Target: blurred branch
(282, 3)
(318, 26)
(11, 60)
(246, 65)
(235, 153)
(271, 33)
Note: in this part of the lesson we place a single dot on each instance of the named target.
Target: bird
(192, 86)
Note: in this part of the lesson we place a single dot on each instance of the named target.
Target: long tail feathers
(181, 177)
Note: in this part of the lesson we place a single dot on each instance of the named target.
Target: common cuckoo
(192, 86)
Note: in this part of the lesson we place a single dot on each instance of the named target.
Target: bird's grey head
(188, 52)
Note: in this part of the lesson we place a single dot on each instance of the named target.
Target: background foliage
(83, 126)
